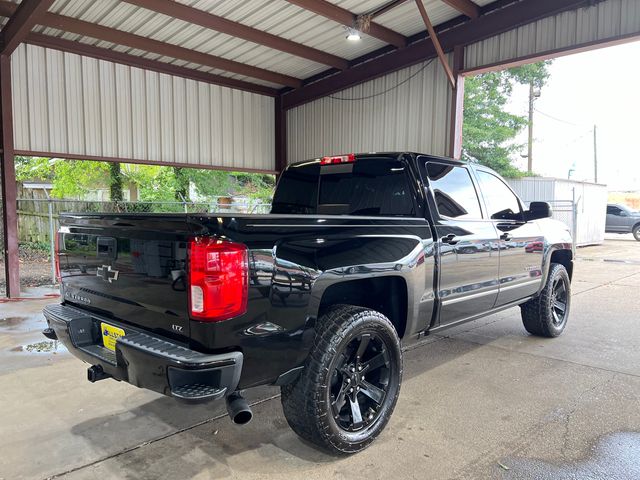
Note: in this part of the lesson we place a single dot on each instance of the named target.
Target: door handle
(450, 239)
(506, 236)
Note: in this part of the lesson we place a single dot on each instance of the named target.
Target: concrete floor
(484, 400)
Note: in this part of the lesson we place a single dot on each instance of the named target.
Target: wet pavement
(483, 400)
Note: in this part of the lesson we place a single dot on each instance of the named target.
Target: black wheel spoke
(374, 363)
(356, 414)
(364, 343)
(374, 393)
(558, 305)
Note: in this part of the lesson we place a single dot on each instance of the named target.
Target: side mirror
(623, 213)
(538, 210)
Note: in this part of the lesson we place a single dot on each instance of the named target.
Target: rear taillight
(218, 279)
(337, 160)
(56, 255)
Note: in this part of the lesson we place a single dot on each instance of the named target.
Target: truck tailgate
(128, 267)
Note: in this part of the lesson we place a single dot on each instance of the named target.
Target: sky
(602, 88)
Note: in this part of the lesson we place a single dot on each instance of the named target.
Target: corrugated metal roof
(277, 17)
(601, 21)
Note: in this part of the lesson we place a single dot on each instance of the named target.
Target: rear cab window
(370, 186)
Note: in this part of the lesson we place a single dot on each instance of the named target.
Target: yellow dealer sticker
(110, 334)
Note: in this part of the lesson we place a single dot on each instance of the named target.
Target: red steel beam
(466, 7)
(235, 29)
(493, 23)
(436, 43)
(345, 17)
(120, 37)
(96, 158)
(281, 136)
(86, 50)
(9, 189)
(20, 23)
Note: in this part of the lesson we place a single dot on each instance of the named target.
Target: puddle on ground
(614, 457)
(9, 322)
(46, 346)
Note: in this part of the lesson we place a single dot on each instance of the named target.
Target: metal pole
(52, 238)
(595, 154)
(574, 222)
(530, 149)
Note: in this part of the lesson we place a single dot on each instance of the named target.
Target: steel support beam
(466, 7)
(493, 23)
(24, 18)
(281, 136)
(239, 30)
(9, 190)
(436, 43)
(457, 105)
(348, 19)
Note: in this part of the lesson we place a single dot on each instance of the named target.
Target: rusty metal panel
(65, 103)
(604, 21)
(407, 110)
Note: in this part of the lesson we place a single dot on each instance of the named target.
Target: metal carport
(250, 84)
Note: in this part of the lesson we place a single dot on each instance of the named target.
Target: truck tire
(350, 384)
(636, 232)
(547, 314)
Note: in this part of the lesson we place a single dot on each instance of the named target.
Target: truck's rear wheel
(547, 314)
(351, 381)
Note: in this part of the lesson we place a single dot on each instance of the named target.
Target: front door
(616, 221)
(521, 243)
(467, 242)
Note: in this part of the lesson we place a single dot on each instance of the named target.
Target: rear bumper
(145, 360)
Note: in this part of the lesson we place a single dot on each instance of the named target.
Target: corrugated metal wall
(406, 110)
(600, 22)
(65, 103)
(590, 202)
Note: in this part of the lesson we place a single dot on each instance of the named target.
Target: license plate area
(109, 335)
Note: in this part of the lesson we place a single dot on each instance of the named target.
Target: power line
(385, 91)
(559, 119)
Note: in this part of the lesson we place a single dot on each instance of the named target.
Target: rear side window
(376, 187)
(454, 191)
(501, 201)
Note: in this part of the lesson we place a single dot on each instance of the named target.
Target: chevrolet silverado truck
(360, 254)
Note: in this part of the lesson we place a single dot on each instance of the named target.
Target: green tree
(489, 130)
(115, 182)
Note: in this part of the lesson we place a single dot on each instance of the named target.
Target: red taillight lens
(338, 159)
(218, 279)
(56, 255)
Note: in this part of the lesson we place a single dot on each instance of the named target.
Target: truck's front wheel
(547, 314)
(351, 381)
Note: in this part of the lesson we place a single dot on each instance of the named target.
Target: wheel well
(565, 258)
(637, 225)
(387, 295)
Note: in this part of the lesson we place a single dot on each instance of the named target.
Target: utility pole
(530, 150)
(595, 153)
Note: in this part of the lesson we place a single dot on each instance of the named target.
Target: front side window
(501, 201)
(613, 210)
(454, 191)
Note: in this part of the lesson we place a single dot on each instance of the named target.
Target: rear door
(131, 268)
(467, 243)
(521, 243)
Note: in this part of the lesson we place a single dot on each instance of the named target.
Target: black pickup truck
(359, 254)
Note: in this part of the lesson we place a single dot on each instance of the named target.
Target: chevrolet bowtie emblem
(106, 274)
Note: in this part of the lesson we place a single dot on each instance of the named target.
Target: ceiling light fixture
(353, 35)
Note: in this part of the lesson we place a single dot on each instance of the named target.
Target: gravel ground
(35, 268)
